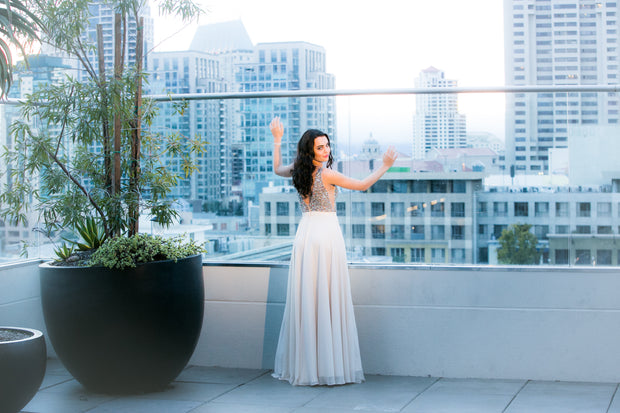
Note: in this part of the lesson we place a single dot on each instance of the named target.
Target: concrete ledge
(464, 322)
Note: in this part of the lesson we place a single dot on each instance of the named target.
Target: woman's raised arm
(277, 130)
(336, 178)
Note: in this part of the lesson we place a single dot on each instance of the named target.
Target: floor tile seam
(55, 384)
(515, 395)
(612, 398)
(437, 379)
(213, 399)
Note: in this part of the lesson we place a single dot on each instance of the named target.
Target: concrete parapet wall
(538, 323)
(541, 323)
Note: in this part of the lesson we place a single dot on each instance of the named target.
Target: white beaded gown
(318, 342)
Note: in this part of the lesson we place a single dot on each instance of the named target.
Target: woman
(318, 339)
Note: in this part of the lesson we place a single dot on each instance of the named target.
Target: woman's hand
(389, 157)
(277, 130)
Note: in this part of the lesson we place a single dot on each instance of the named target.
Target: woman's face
(321, 149)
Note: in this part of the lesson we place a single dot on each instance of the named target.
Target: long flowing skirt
(318, 341)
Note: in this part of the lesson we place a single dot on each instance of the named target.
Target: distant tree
(518, 246)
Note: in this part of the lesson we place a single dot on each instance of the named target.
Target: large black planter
(22, 367)
(124, 331)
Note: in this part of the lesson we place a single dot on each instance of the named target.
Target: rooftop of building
(222, 37)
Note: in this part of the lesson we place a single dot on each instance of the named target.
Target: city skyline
(382, 47)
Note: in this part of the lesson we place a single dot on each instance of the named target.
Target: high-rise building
(193, 72)
(281, 66)
(102, 12)
(557, 42)
(230, 43)
(437, 122)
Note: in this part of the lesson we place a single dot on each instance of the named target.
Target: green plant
(127, 252)
(17, 23)
(83, 147)
(91, 233)
(518, 246)
(64, 252)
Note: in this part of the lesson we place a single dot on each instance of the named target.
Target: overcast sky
(383, 44)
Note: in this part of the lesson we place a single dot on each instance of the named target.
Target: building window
(561, 257)
(417, 254)
(583, 257)
(358, 231)
(417, 232)
(398, 254)
(562, 229)
(457, 209)
(439, 187)
(341, 209)
(400, 187)
(498, 229)
(437, 209)
(583, 209)
(267, 229)
(561, 209)
(416, 209)
(267, 209)
(359, 209)
(481, 209)
(398, 232)
(483, 255)
(541, 209)
(283, 230)
(378, 251)
(282, 209)
(603, 209)
(500, 209)
(458, 232)
(377, 209)
(438, 232)
(482, 229)
(582, 229)
(419, 187)
(604, 229)
(438, 255)
(458, 187)
(457, 255)
(541, 231)
(397, 209)
(521, 209)
(378, 231)
(603, 257)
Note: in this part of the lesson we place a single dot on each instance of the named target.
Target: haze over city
(381, 46)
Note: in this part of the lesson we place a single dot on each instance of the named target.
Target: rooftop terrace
(212, 389)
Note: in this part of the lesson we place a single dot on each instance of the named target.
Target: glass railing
(453, 196)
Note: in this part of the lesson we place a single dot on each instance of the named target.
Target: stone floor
(202, 389)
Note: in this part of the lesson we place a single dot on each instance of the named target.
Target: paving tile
(267, 391)
(141, 405)
(466, 395)
(184, 391)
(563, 397)
(378, 393)
(219, 375)
(215, 407)
(68, 397)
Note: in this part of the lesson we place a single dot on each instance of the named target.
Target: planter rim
(35, 333)
(47, 264)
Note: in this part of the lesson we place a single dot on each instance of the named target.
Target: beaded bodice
(319, 200)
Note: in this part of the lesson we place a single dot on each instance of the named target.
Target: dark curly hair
(303, 166)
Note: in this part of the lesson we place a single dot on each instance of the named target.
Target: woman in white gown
(318, 342)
